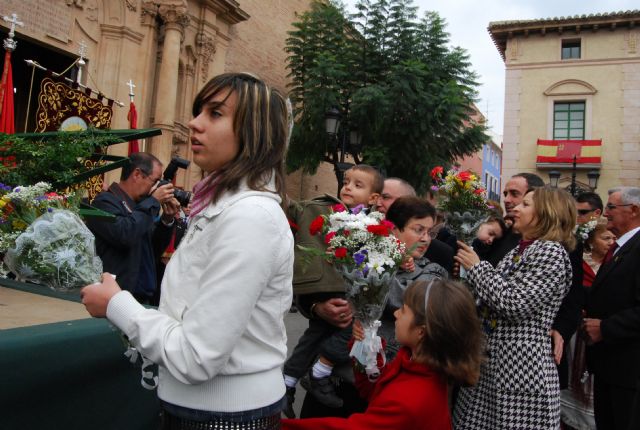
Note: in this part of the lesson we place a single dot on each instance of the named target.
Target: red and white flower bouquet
(364, 250)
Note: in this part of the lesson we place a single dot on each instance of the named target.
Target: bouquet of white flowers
(56, 250)
(367, 255)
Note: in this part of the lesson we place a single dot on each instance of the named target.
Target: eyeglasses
(584, 211)
(421, 231)
(611, 206)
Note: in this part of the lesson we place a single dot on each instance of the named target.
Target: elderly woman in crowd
(518, 386)
(413, 219)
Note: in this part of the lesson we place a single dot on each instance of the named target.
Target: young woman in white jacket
(218, 335)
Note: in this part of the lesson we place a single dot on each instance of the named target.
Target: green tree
(394, 78)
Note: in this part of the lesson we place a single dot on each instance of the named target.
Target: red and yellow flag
(563, 151)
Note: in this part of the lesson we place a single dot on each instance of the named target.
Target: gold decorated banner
(63, 108)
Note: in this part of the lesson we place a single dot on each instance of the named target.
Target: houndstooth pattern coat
(518, 387)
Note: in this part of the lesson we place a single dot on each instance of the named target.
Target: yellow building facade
(573, 79)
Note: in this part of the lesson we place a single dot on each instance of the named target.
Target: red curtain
(132, 116)
(7, 124)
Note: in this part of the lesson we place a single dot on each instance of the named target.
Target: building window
(570, 49)
(568, 120)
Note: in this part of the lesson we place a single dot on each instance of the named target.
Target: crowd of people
(544, 329)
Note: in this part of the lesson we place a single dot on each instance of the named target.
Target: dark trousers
(320, 338)
(615, 407)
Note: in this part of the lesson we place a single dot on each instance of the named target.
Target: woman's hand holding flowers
(96, 297)
(466, 256)
(408, 264)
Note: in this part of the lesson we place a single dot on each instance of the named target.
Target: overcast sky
(467, 24)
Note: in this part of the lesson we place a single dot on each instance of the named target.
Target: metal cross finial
(131, 87)
(14, 21)
(82, 52)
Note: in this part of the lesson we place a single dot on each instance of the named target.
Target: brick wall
(257, 46)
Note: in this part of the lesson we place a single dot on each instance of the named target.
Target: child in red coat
(442, 342)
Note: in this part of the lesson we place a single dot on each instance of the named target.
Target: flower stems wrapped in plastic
(56, 250)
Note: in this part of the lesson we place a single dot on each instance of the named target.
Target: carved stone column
(175, 18)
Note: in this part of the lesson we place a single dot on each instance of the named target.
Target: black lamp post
(342, 141)
(593, 176)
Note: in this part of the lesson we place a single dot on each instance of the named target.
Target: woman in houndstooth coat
(519, 386)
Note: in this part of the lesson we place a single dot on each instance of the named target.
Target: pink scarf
(202, 193)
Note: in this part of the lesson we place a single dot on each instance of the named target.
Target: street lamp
(593, 177)
(554, 178)
(342, 141)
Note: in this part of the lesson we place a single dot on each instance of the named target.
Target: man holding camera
(130, 244)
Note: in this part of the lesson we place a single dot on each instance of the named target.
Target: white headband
(426, 298)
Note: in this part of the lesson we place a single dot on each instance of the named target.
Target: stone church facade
(167, 48)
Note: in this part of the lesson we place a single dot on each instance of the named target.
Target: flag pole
(10, 45)
(132, 116)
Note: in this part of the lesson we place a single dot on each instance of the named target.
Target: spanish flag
(563, 151)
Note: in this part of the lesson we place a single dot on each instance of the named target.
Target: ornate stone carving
(77, 3)
(174, 15)
(92, 11)
(148, 12)
(190, 70)
(132, 5)
(206, 48)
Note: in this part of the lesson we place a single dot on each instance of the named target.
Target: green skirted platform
(69, 374)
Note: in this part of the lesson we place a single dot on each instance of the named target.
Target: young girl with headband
(441, 343)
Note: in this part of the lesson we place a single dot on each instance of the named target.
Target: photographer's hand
(169, 210)
(163, 193)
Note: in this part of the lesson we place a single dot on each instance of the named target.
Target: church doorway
(49, 58)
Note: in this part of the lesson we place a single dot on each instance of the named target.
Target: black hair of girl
(405, 208)
(260, 124)
(453, 341)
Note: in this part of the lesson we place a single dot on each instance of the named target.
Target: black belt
(172, 422)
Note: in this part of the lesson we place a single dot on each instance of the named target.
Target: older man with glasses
(612, 325)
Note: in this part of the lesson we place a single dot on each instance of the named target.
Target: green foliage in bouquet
(54, 160)
(56, 250)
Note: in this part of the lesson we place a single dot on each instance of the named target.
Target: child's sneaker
(291, 397)
(323, 390)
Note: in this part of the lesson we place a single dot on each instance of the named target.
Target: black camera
(183, 197)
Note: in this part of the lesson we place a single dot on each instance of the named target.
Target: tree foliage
(394, 78)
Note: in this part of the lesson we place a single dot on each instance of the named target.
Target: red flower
(380, 230)
(478, 191)
(346, 233)
(338, 208)
(293, 225)
(340, 252)
(436, 172)
(316, 225)
(464, 176)
(329, 236)
(388, 224)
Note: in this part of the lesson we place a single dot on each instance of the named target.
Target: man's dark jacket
(122, 243)
(614, 298)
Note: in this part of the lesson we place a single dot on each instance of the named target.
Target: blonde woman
(519, 386)
(218, 336)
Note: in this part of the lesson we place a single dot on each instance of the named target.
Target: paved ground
(296, 325)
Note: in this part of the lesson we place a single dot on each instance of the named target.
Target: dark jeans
(320, 338)
(615, 407)
(197, 416)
